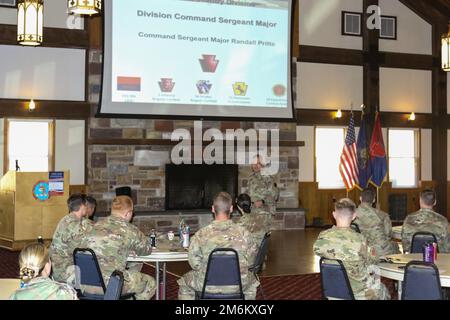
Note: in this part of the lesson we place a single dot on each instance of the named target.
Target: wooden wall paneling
(45, 109)
(53, 37)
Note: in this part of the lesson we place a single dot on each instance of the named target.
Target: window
(30, 143)
(403, 158)
(329, 144)
(388, 28)
(351, 23)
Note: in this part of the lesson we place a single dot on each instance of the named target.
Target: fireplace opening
(194, 186)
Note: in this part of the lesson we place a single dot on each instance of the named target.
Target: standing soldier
(67, 237)
(113, 240)
(343, 243)
(221, 233)
(425, 220)
(262, 188)
(375, 225)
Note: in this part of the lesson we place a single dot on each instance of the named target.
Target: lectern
(31, 205)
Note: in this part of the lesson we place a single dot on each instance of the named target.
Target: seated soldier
(221, 233)
(343, 243)
(68, 235)
(91, 205)
(375, 225)
(425, 220)
(256, 224)
(113, 239)
(35, 268)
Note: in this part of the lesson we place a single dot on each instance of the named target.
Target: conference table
(395, 271)
(7, 287)
(165, 251)
(397, 232)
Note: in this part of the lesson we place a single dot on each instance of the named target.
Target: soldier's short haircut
(121, 204)
(428, 197)
(222, 203)
(345, 205)
(367, 195)
(91, 201)
(75, 202)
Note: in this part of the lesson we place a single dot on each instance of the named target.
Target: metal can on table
(153, 239)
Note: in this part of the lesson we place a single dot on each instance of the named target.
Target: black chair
(115, 285)
(419, 239)
(334, 280)
(421, 282)
(355, 227)
(260, 258)
(222, 270)
(88, 273)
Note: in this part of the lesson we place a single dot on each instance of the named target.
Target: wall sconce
(31, 106)
(412, 117)
(338, 114)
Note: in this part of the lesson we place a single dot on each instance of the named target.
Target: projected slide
(212, 58)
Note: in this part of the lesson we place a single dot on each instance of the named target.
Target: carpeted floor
(291, 287)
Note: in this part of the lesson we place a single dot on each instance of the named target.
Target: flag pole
(378, 198)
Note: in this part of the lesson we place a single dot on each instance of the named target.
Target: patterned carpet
(292, 287)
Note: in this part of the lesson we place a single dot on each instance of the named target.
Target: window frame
(344, 132)
(353, 13)
(51, 142)
(417, 158)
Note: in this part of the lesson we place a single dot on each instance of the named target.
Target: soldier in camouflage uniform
(425, 220)
(256, 224)
(221, 233)
(375, 225)
(35, 268)
(343, 243)
(91, 205)
(262, 189)
(113, 240)
(68, 235)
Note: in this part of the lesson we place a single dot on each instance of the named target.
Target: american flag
(348, 167)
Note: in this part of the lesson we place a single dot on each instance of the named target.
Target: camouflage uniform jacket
(221, 234)
(43, 288)
(376, 226)
(425, 220)
(257, 224)
(68, 236)
(352, 249)
(113, 239)
(262, 187)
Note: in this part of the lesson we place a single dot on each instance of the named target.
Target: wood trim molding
(165, 142)
(314, 117)
(53, 37)
(315, 54)
(45, 109)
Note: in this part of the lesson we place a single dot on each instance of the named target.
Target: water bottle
(153, 239)
(186, 237)
(181, 227)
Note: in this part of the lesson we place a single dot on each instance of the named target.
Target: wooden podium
(24, 213)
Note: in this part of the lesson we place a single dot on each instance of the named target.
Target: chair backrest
(115, 285)
(262, 253)
(223, 270)
(334, 280)
(355, 227)
(89, 272)
(419, 239)
(421, 282)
